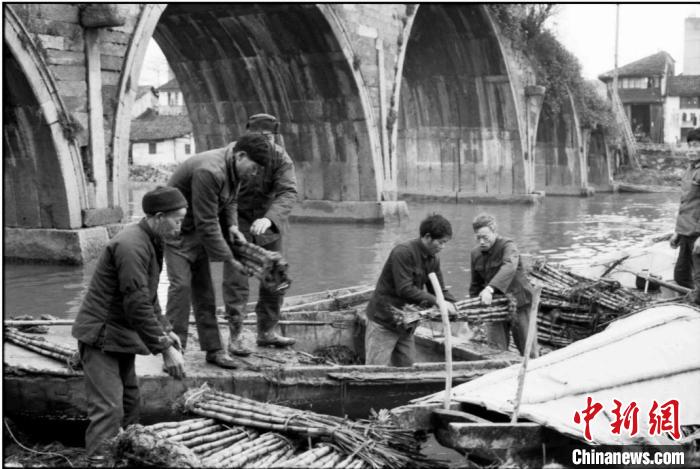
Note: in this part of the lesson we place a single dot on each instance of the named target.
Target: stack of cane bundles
(267, 266)
(233, 431)
(44, 347)
(573, 307)
(470, 310)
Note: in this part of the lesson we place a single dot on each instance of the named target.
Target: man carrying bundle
(210, 182)
(264, 203)
(401, 282)
(687, 232)
(120, 317)
(496, 268)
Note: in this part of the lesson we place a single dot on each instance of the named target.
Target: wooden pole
(448, 336)
(69, 322)
(531, 334)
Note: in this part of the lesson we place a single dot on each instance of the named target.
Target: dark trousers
(112, 392)
(498, 333)
(191, 284)
(236, 293)
(687, 270)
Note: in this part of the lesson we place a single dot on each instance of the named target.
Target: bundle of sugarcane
(558, 334)
(43, 347)
(267, 266)
(470, 310)
(377, 444)
(320, 457)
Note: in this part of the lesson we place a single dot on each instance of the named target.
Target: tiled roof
(172, 85)
(684, 85)
(141, 90)
(648, 66)
(150, 127)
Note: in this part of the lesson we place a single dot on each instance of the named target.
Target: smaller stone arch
(69, 195)
(560, 166)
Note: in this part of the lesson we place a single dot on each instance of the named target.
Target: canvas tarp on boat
(653, 355)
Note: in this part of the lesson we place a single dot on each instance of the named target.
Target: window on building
(152, 148)
(684, 117)
(188, 148)
(690, 102)
(172, 99)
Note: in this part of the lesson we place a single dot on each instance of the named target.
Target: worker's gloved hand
(696, 246)
(176, 340)
(674, 240)
(174, 362)
(260, 226)
(486, 296)
(235, 233)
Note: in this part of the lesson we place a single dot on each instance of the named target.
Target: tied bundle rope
(267, 266)
(378, 444)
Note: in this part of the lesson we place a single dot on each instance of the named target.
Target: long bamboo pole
(437, 289)
(531, 333)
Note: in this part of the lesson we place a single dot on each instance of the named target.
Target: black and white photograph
(351, 235)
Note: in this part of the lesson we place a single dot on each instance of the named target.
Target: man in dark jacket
(687, 232)
(496, 268)
(401, 282)
(120, 317)
(210, 181)
(264, 204)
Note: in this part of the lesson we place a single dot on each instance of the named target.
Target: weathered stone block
(97, 15)
(54, 246)
(62, 57)
(69, 72)
(48, 41)
(102, 216)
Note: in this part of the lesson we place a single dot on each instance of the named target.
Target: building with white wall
(161, 140)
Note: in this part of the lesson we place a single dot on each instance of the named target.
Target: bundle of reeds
(376, 444)
(267, 266)
(470, 310)
(43, 347)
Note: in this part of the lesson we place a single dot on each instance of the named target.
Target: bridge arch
(44, 184)
(294, 61)
(458, 128)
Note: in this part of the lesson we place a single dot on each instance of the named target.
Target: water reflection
(324, 256)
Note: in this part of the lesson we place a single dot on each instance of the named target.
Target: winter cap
(163, 199)
(262, 123)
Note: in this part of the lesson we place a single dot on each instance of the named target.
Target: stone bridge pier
(378, 103)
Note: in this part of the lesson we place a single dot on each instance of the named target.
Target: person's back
(119, 281)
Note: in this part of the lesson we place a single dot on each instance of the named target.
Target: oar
(529, 343)
(437, 289)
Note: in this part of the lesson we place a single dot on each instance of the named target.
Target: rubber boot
(235, 344)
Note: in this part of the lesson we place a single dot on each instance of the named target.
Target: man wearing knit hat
(120, 317)
(264, 204)
(210, 181)
(686, 235)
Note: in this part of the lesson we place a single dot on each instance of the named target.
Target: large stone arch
(44, 183)
(232, 60)
(560, 165)
(458, 129)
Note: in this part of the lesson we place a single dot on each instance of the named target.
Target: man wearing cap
(120, 317)
(686, 235)
(264, 204)
(210, 181)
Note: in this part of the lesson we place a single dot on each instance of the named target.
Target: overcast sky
(588, 31)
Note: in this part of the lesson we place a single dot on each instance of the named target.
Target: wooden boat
(41, 389)
(633, 360)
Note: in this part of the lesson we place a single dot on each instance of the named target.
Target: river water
(326, 256)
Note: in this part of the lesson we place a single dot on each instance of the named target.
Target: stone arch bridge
(378, 102)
